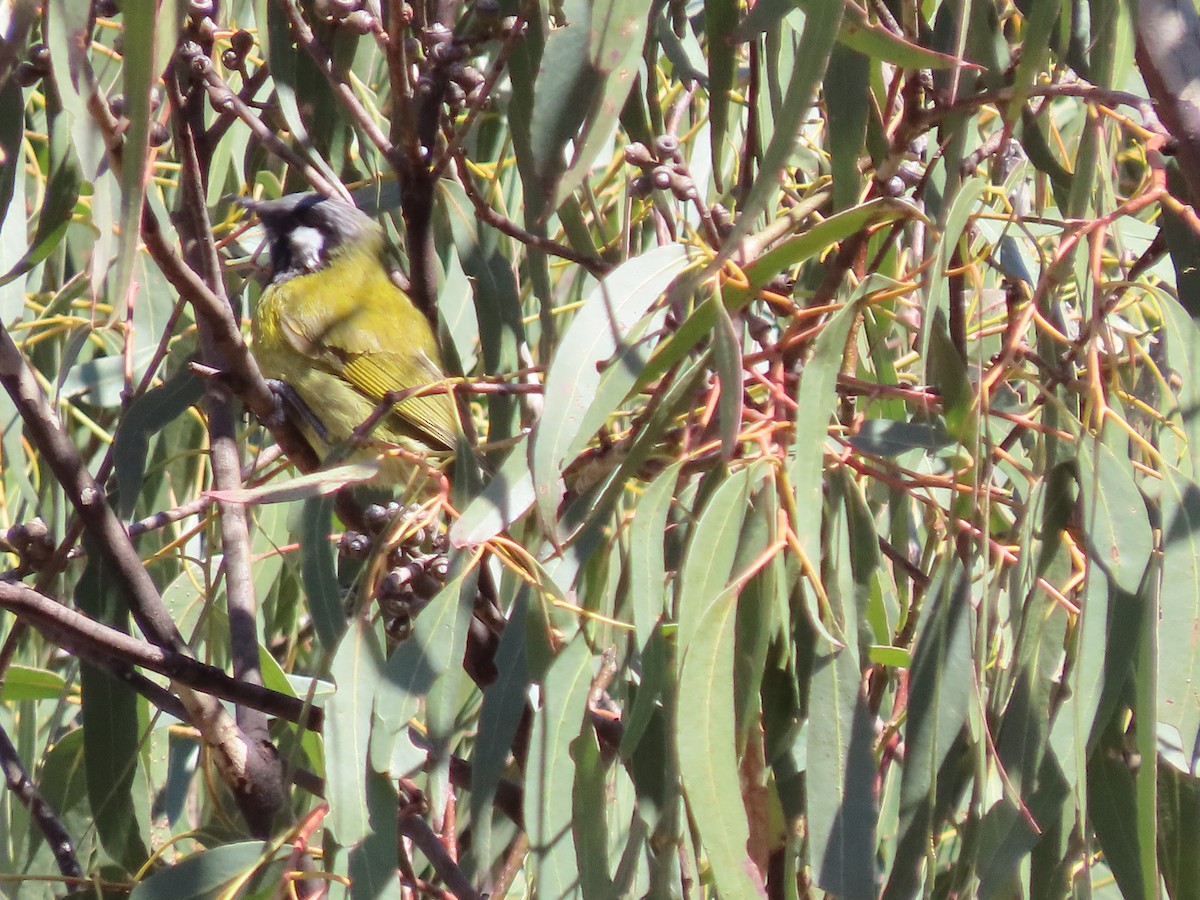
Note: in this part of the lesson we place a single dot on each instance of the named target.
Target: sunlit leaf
(708, 764)
(599, 334)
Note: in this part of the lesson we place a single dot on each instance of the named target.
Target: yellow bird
(340, 334)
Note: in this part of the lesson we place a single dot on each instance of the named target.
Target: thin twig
(322, 57)
(418, 831)
(484, 212)
(244, 97)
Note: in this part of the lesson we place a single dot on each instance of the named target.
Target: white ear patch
(306, 246)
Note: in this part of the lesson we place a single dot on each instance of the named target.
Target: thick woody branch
(87, 497)
(418, 831)
(115, 650)
(242, 372)
(261, 794)
(40, 811)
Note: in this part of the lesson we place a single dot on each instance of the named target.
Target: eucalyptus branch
(87, 497)
(233, 112)
(260, 794)
(42, 813)
(928, 118)
(322, 58)
(418, 831)
(167, 702)
(115, 650)
(226, 102)
(489, 216)
(231, 750)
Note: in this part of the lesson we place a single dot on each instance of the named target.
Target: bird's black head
(306, 230)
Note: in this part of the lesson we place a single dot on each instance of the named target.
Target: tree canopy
(833, 374)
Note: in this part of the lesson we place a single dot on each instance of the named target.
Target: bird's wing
(376, 372)
(353, 350)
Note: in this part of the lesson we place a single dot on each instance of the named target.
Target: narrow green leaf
(939, 694)
(28, 683)
(590, 817)
(1179, 607)
(1146, 742)
(727, 354)
(647, 564)
(357, 669)
(1113, 810)
(815, 401)
(62, 193)
(504, 703)
(618, 34)
(66, 34)
(816, 240)
(318, 572)
(504, 499)
(847, 94)
(877, 42)
(707, 741)
(948, 372)
(887, 437)
(12, 107)
(289, 66)
(62, 781)
(444, 698)
(841, 773)
(304, 487)
(204, 873)
(549, 785)
(112, 736)
(501, 332)
(957, 213)
(14, 236)
(1087, 679)
(602, 327)
(720, 21)
(1179, 833)
(1025, 725)
(139, 71)
(820, 28)
(1183, 348)
(564, 92)
(712, 547)
(418, 662)
(146, 415)
(1041, 17)
(110, 727)
(683, 339)
(657, 657)
(1116, 525)
(759, 609)
(372, 864)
